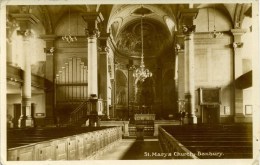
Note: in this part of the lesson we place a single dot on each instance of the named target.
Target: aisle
(130, 149)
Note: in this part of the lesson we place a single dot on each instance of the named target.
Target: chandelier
(214, 34)
(68, 37)
(142, 73)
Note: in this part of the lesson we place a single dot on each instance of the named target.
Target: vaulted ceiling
(122, 21)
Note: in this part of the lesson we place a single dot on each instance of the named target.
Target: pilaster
(25, 19)
(50, 74)
(186, 17)
(103, 70)
(237, 71)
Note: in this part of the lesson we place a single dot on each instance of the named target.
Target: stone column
(50, 74)
(238, 71)
(179, 51)
(26, 119)
(187, 16)
(92, 32)
(25, 20)
(103, 70)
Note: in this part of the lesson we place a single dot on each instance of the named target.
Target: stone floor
(132, 149)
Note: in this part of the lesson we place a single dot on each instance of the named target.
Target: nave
(109, 143)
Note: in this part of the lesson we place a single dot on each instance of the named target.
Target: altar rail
(77, 147)
(170, 145)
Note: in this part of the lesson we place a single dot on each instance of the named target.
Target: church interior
(170, 81)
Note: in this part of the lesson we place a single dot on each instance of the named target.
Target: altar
(144, 125)
(144, 117)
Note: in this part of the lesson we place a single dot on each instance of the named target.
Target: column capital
(27, 34)
(49, 50)
(237, 33)
(179, 48)
(91, 33)
(103, 42)
(188, 29)
(92, 19)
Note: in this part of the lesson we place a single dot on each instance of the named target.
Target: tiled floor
(131, 149)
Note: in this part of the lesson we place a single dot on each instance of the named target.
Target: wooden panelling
(21, 153)
(87, 143)
(72, 148)
(44, 151)
(77, 147)
(61, 149)
(80, 146)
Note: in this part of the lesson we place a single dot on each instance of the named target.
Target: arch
(169, 99)
(77, 25)
(119, 9)
(121, 88)
(47, 20)
(208, 15)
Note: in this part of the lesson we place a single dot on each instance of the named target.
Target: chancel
(130, 81)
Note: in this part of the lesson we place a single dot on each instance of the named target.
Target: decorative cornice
(48, 37)
(90, 16)
(26, 17)
(188, 13)
(238, 31)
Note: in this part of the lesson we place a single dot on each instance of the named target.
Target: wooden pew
(85, 145)
(231, 140)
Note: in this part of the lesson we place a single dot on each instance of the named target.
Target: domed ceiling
(126, 30)
(155, 38)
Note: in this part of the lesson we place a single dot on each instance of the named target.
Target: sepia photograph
(129, 82)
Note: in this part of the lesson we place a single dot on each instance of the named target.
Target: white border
(256, 89)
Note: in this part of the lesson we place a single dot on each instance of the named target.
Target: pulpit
(95, 107)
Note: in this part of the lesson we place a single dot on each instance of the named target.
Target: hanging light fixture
(142, 73)
(69, 38)
(214, 34)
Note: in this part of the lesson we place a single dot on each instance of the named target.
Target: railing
(16, 75)
(79, 113)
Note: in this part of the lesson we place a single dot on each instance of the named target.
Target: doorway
(210, 114)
